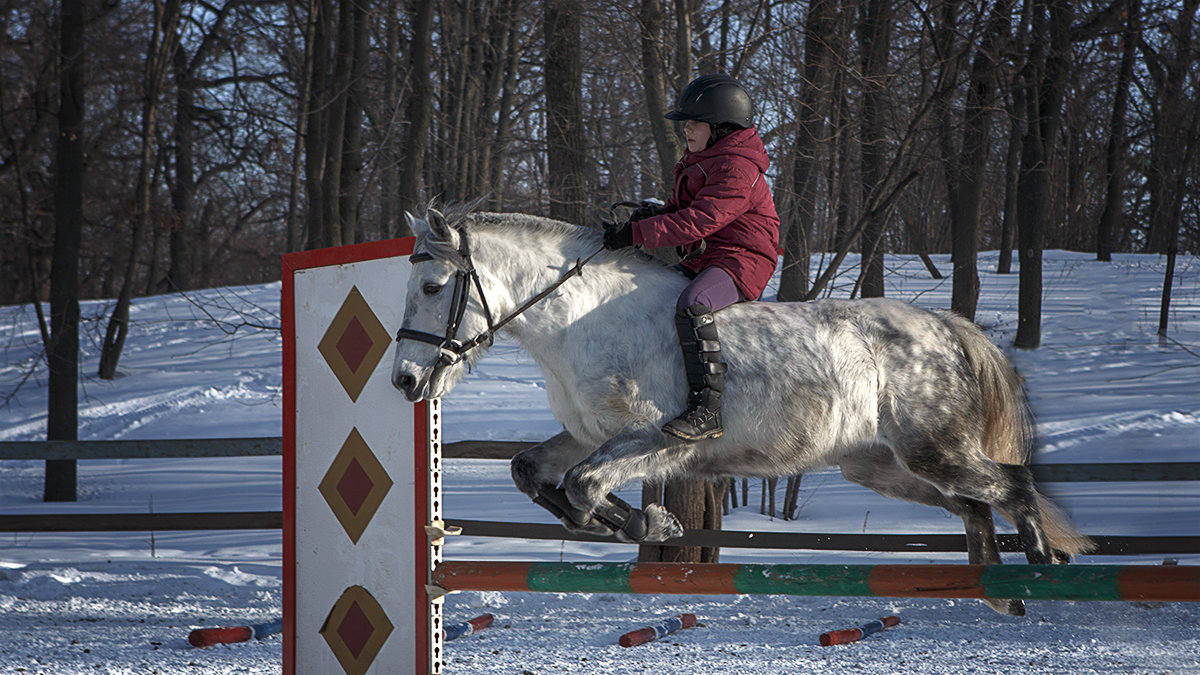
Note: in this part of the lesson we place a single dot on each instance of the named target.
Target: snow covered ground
(1104, 386)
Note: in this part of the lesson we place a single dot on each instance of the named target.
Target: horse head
(442, 316)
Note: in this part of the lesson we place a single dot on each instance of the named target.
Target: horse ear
(439, 229)
(418, 226)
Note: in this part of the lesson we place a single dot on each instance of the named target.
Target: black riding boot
(705, 376)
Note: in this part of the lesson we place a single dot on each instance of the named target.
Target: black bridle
(452, 350)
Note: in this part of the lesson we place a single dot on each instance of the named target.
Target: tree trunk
(1173, 137)
(683, 44)
(158, 57)
(1044, 80)
(350, 181)
(420, 105)
(654, 84)
(389, 179)
(1012, 169)
(819, 24)
(1114, 156)
(504, 113)
(179, 273)
(295, 230)
(564, 112)
(317, 132)
(875, 41)
(62, 421)
(335, 134)
(502, 36)
(964, 176)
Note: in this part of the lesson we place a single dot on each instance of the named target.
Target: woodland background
(168, 145)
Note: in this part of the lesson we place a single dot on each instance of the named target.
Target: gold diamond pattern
(356, 629)
(354, 343)
(355, 485)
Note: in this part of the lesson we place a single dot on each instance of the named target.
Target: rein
(453, 350)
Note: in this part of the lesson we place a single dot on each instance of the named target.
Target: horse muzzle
(412, 381)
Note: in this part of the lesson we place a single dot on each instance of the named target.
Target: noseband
(452, 350)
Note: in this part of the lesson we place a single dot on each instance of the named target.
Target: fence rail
(210, 447)
(251, 447)
(146, 449)
(1116, 545)
(141, 522)
(271, 520)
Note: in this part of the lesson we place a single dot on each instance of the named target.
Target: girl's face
(697, 134)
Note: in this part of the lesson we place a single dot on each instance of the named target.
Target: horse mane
(467, 217)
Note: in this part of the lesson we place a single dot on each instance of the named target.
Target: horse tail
(1009, 435)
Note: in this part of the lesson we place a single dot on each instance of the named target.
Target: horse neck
(516, 268)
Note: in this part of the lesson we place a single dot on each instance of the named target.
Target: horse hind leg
(879, 471)
(1007, 487)
(982, 547)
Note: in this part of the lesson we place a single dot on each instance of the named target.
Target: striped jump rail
(1027, 582)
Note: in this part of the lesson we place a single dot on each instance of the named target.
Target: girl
(722, 217)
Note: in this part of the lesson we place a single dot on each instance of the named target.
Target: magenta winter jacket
(722, 196)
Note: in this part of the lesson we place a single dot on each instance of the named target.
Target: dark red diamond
(355, 486)
(355, 630)
(355, 344)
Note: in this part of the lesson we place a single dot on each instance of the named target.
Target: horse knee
(527, 473)
(585, 486)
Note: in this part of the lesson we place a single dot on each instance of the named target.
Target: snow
(207, 365)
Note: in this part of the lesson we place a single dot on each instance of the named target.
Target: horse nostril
(405, 383)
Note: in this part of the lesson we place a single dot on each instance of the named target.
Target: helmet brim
(678, 116)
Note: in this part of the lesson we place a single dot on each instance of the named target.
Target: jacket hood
(742, 143)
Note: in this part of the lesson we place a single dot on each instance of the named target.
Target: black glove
(618, 236)
(647, 209)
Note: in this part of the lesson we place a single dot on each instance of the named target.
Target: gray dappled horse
(913, 404)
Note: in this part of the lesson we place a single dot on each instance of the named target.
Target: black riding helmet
(716, 99)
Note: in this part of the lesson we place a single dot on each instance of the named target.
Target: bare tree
(1038, 97)
(316, 137)
(293, 228)
(965, 160)
(420, 100)
(874, 34)
(1114, 156)
(1176, 123)
(159, 55)
(564, 111)
(62, 421)
(812, 110)
(351, 179)
(654, 84)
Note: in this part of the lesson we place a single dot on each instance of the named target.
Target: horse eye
(431, 289)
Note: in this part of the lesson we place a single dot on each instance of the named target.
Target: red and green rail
(1026, 582)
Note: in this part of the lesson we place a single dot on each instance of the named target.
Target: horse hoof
(1007, 606)
(661, 524)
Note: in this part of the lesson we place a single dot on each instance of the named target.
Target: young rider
(723, 218)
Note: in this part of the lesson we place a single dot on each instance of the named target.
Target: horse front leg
(633, 454)
(536, 471)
